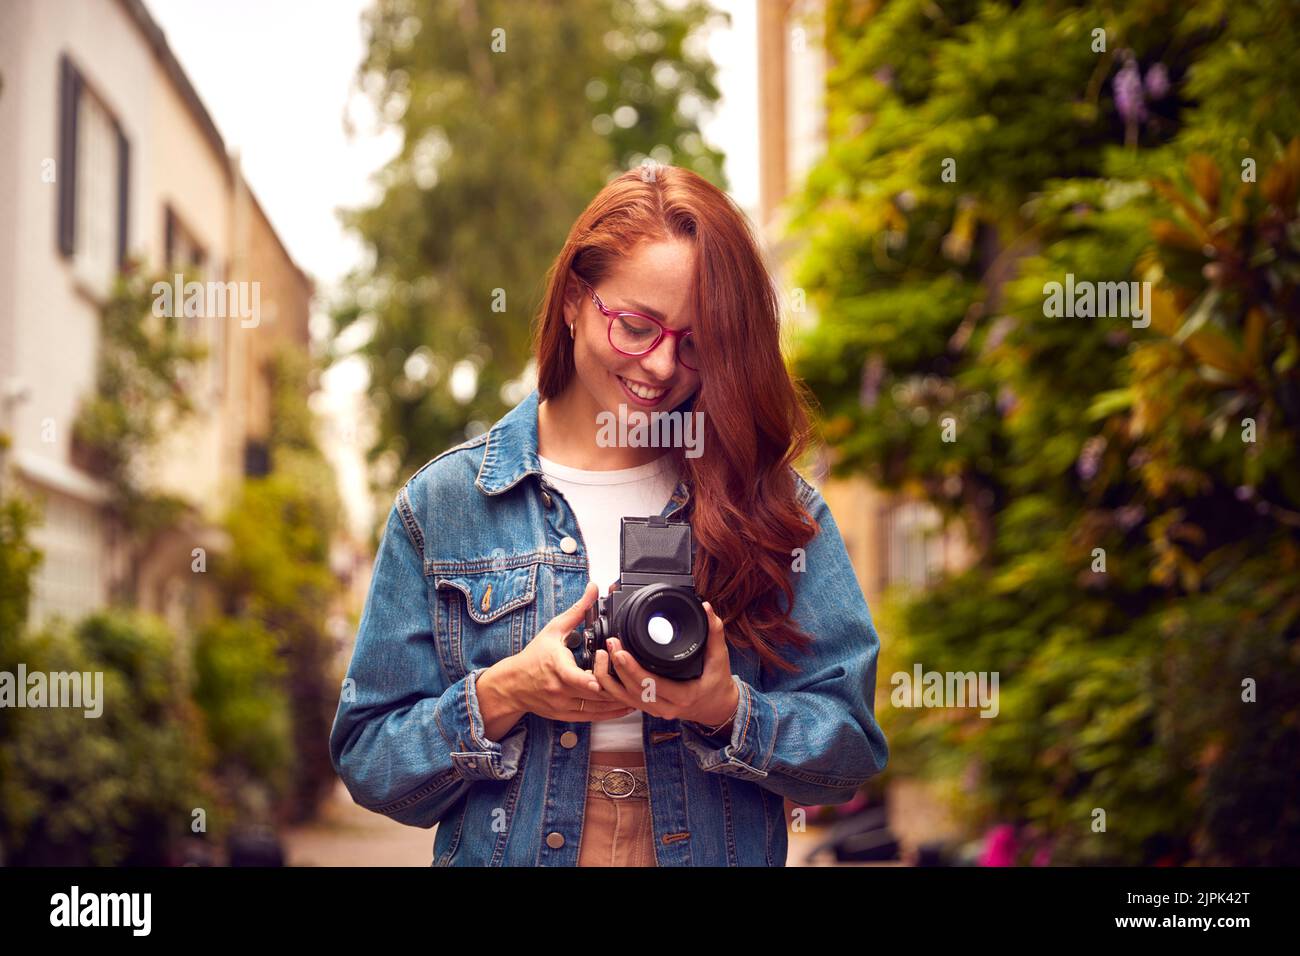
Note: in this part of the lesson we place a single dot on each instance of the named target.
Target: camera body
(652, 608)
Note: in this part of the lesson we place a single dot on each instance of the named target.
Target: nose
(661, 361)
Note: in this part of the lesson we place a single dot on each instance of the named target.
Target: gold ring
(581, 703)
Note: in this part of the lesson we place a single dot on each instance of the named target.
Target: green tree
(981, 150)
(512, 115)
(266, 677)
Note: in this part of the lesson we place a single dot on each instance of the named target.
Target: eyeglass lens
(636, 336)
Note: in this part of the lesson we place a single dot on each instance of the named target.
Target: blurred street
(347, 835)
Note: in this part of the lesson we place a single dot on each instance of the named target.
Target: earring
(572, 334)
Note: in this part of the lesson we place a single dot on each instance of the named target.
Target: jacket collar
(511, 449)
(511, 453)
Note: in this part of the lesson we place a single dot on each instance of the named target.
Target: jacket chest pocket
(483, 616)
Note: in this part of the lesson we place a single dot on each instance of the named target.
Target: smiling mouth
(643, 392)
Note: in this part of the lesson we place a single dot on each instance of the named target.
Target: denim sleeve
(405, 742)
(812, 735)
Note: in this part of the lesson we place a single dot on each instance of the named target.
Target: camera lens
(660, 629)
(664, 627)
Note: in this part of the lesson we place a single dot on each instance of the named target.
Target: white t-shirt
(599, 500)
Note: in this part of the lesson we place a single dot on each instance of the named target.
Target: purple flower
(1129, 100)
(1157, 81)
(1090, 457)
(998, 333)
(873, 372)
(1129, 515)
(1007, 400)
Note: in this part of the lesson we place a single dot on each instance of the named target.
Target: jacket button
(568, 545)
(555, 840)
(568, 740)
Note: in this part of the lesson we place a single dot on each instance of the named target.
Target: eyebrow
(635, 306)
(642, 307)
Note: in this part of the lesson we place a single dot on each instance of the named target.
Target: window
(70, 578)
(183, 251)
(188, 257)
(217, 346)
(914, 544)
(94, 176)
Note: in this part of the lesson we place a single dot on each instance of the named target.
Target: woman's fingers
(660, 690)
(572, 616)
(588, 716)
(717, 629)
(582, 683)
(607, 682)
(599, 707)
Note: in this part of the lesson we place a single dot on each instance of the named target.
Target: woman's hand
(544, 679)
(708, 700)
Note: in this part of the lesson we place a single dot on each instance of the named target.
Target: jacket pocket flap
(492, 593)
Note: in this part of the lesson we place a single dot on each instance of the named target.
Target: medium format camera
(652, 608)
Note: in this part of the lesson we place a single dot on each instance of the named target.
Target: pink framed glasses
(635, 334)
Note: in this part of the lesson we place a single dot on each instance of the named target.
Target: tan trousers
(617, 832)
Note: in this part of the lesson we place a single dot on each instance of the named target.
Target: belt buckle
(630, 784)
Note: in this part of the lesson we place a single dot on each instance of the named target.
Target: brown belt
(619, 782)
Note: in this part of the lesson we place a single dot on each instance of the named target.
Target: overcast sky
(249, 58)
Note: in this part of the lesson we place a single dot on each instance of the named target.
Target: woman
(463, 706)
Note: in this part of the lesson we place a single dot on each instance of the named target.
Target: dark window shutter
(123, 195)
(257, 459)
(169, 237)
(69, 101)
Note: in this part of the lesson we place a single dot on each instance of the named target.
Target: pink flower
(858, 802)
(999, 847)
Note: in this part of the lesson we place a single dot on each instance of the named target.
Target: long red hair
(744, 512)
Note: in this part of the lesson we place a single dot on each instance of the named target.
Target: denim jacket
(477, 556)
